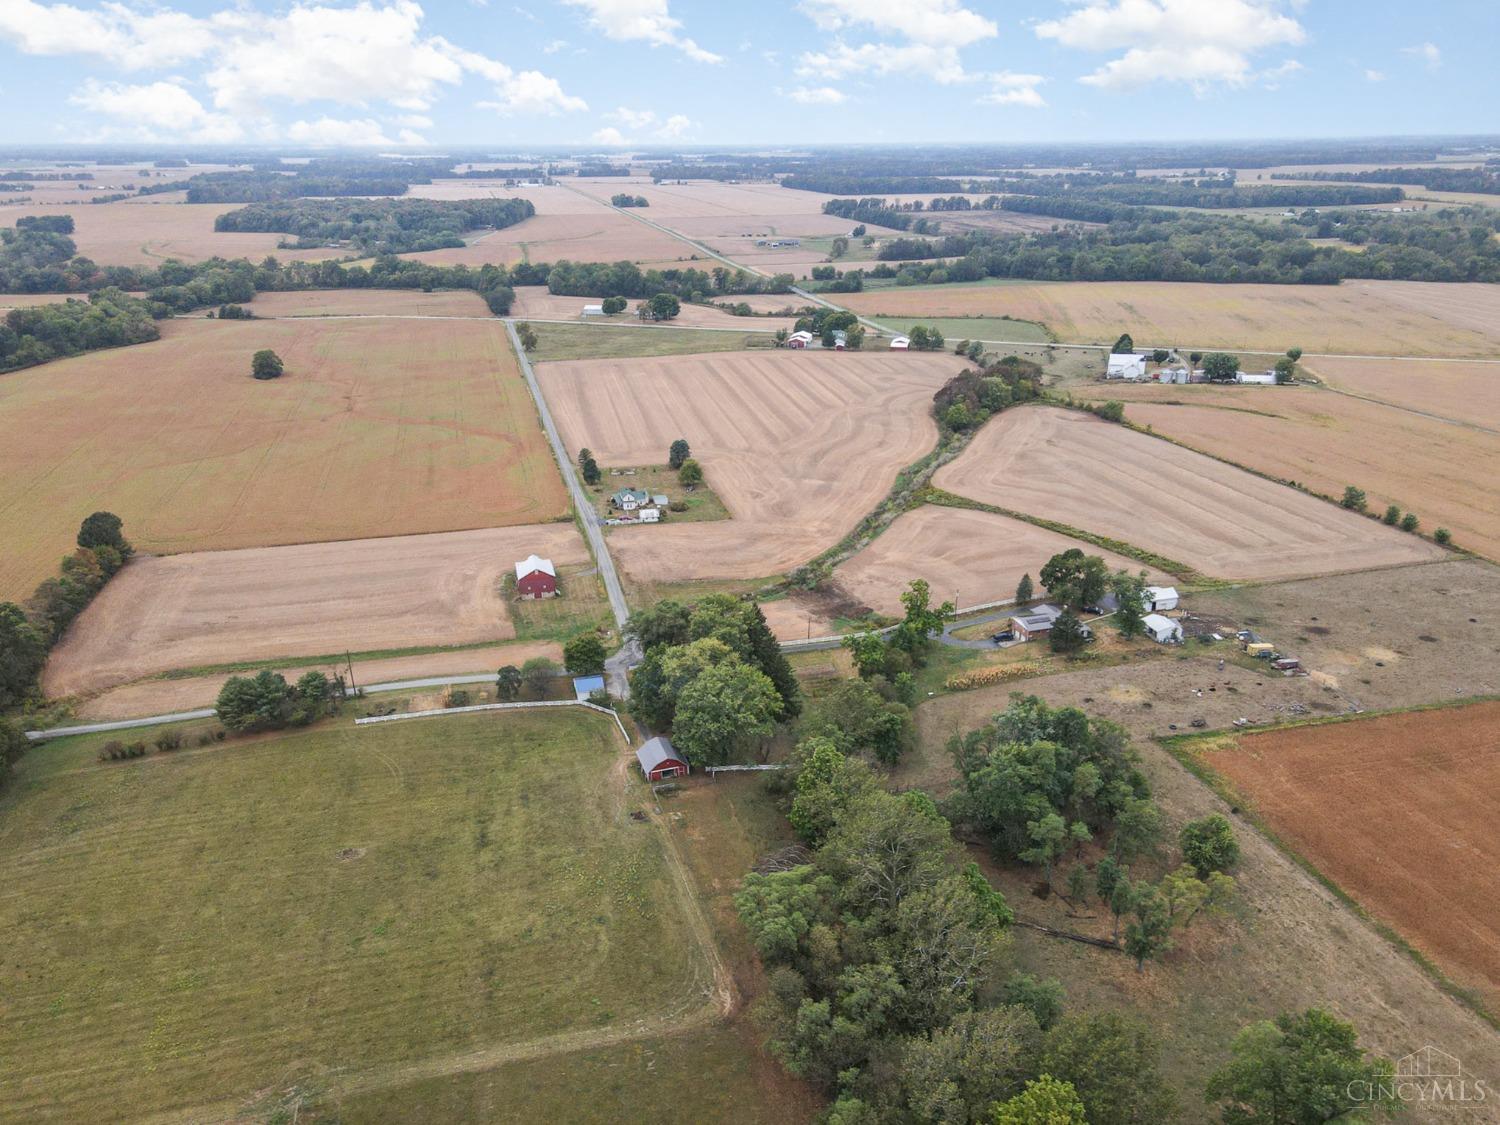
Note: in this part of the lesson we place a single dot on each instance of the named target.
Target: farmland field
(1468, 392)
(973, 556)
(370, 302)
(343, 904)
(1443, 471)
(379, 427)
(600, 235)
(269, 603)
(535, 303)
(138, 234)
(1377, 317)
(1112, 481)
(798, 445)
(956, 328)
(1398, 810)
(633, 341)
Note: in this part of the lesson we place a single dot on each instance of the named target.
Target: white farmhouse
(1125, 365)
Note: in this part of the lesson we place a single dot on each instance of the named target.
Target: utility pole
(349, 663)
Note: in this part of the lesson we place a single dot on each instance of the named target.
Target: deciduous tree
(266, 364)
(584, 655)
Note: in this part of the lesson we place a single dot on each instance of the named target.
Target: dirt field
(185, 611)
(371, 302)
(1467, 392)
(1358, 317)
(379, 427)
(798, 445)
(1223, 521)
(10, 301)
(189, 693)
(1400, 812)
(1444, 472)
(130, 233)
(973, 556)
(533, 301)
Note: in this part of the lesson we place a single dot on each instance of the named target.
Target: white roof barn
(1162, 630)
(533, 563)
(1125, 365)
(1159, 598)
(900, 343)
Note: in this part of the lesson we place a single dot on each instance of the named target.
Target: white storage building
(1125, 365)
(1163, 630)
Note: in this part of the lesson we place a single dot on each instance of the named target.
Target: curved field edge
(1191, 750)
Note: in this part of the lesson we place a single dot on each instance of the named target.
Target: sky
(649, 73)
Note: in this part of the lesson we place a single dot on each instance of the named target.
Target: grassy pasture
(618, 341)
(379, 427)
(189, 929)
(955, 328)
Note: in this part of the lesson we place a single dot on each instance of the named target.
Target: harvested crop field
(964, 554)
(1466, 392)
(10, 301)
(1409, 318)
(186, 611)
(128, 233)
(189, 693)
(535, 303)
(1111, 481)
(379, 427)
(594, 236)
(1398, 810)
(343, 906)
(798, 445)
(371, 302)
(1442, 471)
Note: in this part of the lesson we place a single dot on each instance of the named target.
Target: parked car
(1003, 636)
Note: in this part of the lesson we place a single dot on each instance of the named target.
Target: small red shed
(536, 578)
(659, 760)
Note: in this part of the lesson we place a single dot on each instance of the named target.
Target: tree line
(324, 176)
(377, 226)
(108, 319)
(1485, 181)
(27, 633)
(1455, 244)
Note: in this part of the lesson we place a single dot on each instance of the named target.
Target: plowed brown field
(1400, 811)
(592, 236)
(965, 555)
(1413, 318)
(370, 302)
(1112, 481)
(799, 445)
(379, 427)
(1469, 392)
(215, 607)
(1442, 471)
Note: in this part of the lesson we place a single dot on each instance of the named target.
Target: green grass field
(323, 908)
(703, 503)
(955, 328)
(602, 341)
(581, 606)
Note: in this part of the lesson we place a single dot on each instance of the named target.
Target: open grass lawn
(616, 341)
(955, 328)
(702, 502)
(378, 428)
(333, 906)
(582, 605)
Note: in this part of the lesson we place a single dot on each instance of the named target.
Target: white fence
(496, 707)
(711, 770)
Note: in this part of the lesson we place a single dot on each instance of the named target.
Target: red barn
(659, 760)
(536, 577)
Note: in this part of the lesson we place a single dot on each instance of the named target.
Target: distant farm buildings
(1162, 630)
(591, 310)
(900, 343)
(1035, 622)
(799, 339)
(659, 760)
(1125, 365)
(777, 243)
(536, 578)
(840, 340)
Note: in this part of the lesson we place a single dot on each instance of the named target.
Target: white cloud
(355, 54)
(1201, 42)
(553, 47)
(155, 111)
(674, 127)
(1374, 76)
(817, 95)
(1427, 52)
(919, 37)
(128, 38)
(329, 131)
(609, 135)
(632, 118)
(1007, 88)
(648, 21)
(639, 121)
(1271, 79)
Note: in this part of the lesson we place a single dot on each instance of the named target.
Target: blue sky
(664, 72)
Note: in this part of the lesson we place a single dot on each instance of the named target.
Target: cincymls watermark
(1430, 1077)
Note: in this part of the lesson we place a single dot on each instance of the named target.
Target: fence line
(711, 770)
(497, 707)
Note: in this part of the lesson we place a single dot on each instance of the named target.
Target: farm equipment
(1261, 650)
